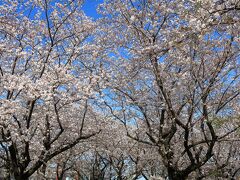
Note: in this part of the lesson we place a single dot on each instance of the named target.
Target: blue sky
(90, 6)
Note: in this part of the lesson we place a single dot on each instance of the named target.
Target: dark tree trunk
(174, 175)
(21, 177)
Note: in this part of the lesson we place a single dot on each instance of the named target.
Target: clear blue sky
(90, 6)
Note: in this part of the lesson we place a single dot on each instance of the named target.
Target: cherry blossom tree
(175, 76)
(149, 90)
(48, 82)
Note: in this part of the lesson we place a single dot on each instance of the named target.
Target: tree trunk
(174, 175)
(20, 177)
